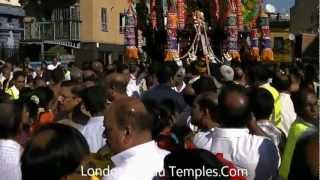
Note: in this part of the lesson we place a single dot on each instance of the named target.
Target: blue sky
(281, 5)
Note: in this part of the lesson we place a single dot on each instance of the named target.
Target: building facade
(304, 24)
(11, 27)
(280, 31)
(305, 17)
(90, 30)
(101, 32)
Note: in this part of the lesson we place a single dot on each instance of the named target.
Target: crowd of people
(249, 120)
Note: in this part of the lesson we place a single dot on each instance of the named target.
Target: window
(122, 22)
(278, 44)
(104, 26)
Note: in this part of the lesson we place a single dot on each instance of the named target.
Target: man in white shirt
(54, 65)
(282, 82)
(128, 133)
(204, 113)
(10, 150)
(257, 154)
(94, 101)
(179, 84)
(133, 86)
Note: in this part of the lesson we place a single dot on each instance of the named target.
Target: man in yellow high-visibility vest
(306, 106)
(18, 83)
(259, 77)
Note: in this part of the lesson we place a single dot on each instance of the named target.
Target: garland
(171, 52)
(131, 51)
(254, 49)
(181, 14)
(153, 14)
(231, 44)
(266, 43)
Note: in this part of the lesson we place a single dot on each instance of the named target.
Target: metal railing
(55, 30)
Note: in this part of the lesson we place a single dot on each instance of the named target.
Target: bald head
(97, 66)
(117, 82)
(234, 106)
(131, 111)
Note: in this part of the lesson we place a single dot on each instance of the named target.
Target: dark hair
(9, 125)
(54, 151)
(281, 81)
(238, 115)
(17, 74)
(299, 100)
(76, 88)
(166, 72)
(258, 73)
(192, 159)
(93, 99)
(45, 95)
(133, 67)
(262, 103)
(57, 75)
(208, 101)
(161, 115)
(25, 101)
(122, 67)
(204, 84)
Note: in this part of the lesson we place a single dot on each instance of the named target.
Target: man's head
(70, 96)
(262, 103)
(97, 66)
(9, 125)
(204, 110)
(234, 110)
(281, 81)
(238, 73)
(89, 77)
(306, 105)
(19, 79)
(94, 99)
(179, 76)
(257, 75)
(55, 151)
(204, 84)
(127, 124)
(55, 61)
(76, 75)
(166, 73)
(227, 73)
(124, 70)
(58, 75)
(115, 86)
(6, 71)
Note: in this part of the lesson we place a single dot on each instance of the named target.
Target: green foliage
(55, 50)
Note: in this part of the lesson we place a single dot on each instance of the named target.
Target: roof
(11, 10)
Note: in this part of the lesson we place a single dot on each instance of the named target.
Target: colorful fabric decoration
(266, 43)
(131, 51)
(254, 49)
(239, 14)
(153, 14)
(171, 52)
(181, 14)
(231, 43)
